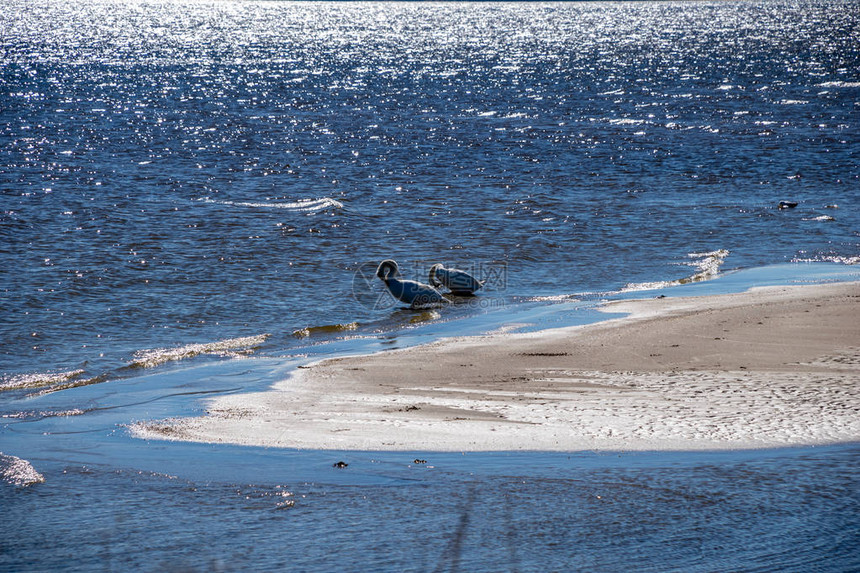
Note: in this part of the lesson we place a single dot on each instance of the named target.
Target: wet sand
(771, 367)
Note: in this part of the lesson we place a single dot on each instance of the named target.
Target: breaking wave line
(708, 265)
(233, 347)
(302, 205)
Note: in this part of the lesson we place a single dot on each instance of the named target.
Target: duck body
(459, 282)
(413, 293)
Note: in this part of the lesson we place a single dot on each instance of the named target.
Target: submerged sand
(771, 367)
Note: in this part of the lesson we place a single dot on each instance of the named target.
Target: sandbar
(770, 367)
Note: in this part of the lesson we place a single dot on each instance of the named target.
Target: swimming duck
(459, 282)
(413, 293)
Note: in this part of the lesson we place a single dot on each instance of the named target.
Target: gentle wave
(37, 379)
(18, 472)
(551, 298)
(425, 316)
(24, 415)
(75, 383)
(829, 259)
(325, 329)
(708, 265)
(302, 205)
(55, 381)
(233, 347)
(839, 84)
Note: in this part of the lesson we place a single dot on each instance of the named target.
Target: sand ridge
(771, 367)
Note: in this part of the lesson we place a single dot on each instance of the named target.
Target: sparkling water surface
(189, 172)
(188, 181)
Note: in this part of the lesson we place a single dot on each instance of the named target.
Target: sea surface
(194, 197)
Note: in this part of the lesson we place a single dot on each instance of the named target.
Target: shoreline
(769, 367)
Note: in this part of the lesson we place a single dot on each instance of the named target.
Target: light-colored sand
(770, 367)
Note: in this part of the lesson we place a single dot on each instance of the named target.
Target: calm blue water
(187, 181)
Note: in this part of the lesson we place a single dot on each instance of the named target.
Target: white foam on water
(161, 430)
(233, 347)
(23, 415)
(553, 298)
(829, 259)
(708, 265)
(627, 121)
(633, 287)
(18, 472)
(839, 84)
(302, 205)
(37, 379)
(325, 329)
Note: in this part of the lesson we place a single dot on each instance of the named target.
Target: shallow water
(762, 511)
(103, 500)
(195, 196)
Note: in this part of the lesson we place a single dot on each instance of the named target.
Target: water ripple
(186, 171)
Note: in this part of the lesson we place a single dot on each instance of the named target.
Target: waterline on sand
(770, 367)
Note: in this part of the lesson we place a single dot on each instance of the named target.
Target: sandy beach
(771, 367)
